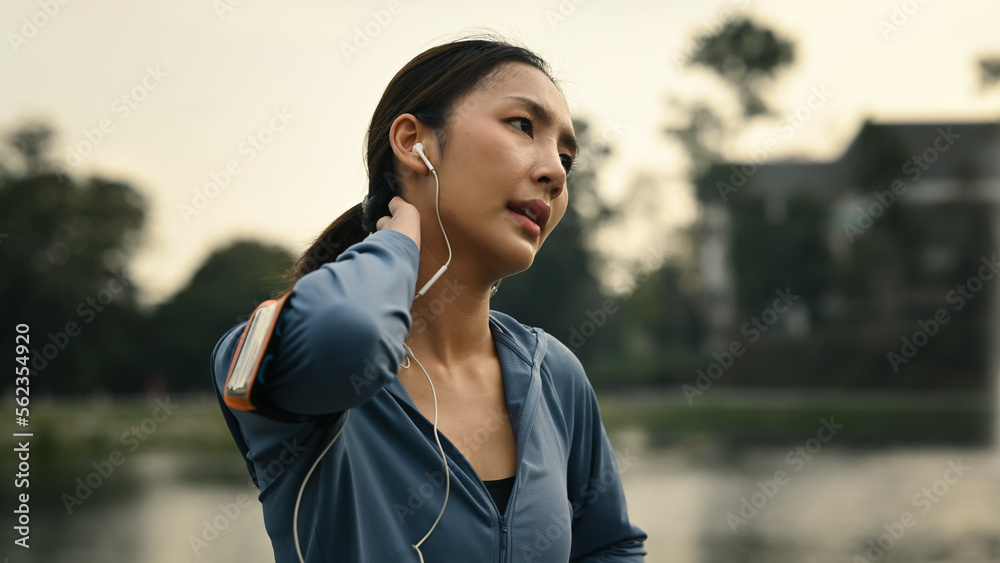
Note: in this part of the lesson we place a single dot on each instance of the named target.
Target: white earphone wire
(298, 499)
(437, 205)
(444, 459)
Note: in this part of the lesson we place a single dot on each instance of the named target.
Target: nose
(551, 173)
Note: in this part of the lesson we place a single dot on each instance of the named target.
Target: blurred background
(777, 266)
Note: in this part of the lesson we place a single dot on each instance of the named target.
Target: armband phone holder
(249, 358)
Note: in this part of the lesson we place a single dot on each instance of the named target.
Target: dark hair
(430, 87)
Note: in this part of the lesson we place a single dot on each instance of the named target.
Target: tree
(747, 57)
(66, 247)
(223, 292)
(989, 71)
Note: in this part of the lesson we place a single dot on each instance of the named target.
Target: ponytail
(346, 230)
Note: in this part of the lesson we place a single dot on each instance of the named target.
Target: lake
(809, 503)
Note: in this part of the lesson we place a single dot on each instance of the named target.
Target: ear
(406, 130)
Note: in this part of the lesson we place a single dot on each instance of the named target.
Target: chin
(515, 258)
(510, 250)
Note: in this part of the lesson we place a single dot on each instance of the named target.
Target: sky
(272, 99)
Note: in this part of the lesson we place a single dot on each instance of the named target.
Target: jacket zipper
(503, 538)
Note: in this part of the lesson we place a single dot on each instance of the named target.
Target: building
(872, 244)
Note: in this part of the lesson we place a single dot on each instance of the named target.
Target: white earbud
(419, 149)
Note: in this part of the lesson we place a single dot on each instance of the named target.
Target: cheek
(478, 161)
(491, 145)
(559, 208)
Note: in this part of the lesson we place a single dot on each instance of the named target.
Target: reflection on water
(823, 509)
(836, 505)
(156, 508)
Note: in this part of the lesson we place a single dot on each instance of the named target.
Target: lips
(534, 209)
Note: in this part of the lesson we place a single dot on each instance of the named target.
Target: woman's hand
(403, 218)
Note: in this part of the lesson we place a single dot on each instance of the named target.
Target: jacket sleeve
(342, 328)
(602, 532)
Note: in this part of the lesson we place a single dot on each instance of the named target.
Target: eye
(569, 162)
(523, 119)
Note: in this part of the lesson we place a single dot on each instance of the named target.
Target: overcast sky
(198, 80)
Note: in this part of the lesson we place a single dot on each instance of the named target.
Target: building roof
(878, 154)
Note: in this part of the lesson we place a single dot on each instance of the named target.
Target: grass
(82, 428)
(865, 422)
(72, 428)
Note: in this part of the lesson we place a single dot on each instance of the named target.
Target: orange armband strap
(250, 354)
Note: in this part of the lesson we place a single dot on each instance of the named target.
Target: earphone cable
(444, 459)
(437, 206)
(298, 499)
(437, 436)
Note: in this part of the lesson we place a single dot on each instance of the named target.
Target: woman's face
(507, 149)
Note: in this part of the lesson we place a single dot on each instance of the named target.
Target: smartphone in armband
(248, 360)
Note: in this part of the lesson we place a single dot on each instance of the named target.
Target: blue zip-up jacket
(380, 486)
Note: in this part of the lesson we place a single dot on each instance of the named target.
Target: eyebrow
(545, 117)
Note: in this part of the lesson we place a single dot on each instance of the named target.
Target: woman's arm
(343, 326)
(602, 531)
(601, 528)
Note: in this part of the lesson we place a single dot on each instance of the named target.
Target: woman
(394, 427)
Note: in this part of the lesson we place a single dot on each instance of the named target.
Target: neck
(450, 321)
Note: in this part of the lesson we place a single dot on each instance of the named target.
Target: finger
(394, 204)
(380, 224)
